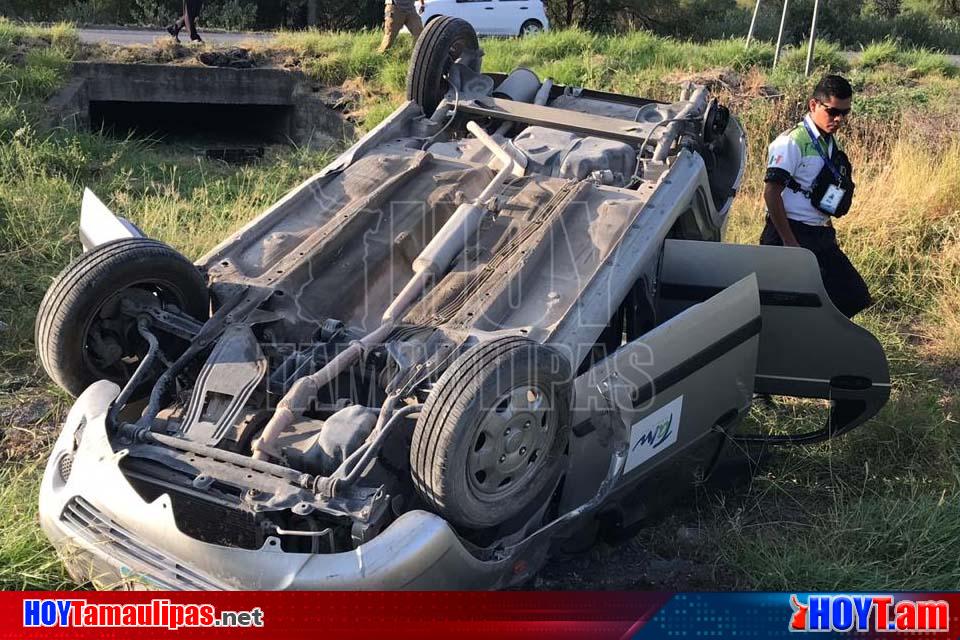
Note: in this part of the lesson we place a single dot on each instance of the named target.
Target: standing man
(191, 11)
(396, 15)
(808, 181)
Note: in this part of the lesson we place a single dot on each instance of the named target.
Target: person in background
(807, 183)
(191, 11)
(396, 15)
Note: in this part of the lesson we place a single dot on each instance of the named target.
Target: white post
(783, 22)
(813, 39)
(753, 23)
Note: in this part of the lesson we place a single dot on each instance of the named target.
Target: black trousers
(847, 290)
(191, 11)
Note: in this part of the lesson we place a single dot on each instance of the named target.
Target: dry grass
(943, 334)
(903, 231)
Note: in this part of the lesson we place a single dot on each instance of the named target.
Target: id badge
(831, 199)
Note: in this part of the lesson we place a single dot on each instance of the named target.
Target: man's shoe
(196, 39)
(173, 31)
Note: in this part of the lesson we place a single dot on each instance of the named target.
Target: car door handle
(488, 8)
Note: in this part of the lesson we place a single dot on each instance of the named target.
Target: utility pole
(813, 39)
(753, 23)
(783, 22)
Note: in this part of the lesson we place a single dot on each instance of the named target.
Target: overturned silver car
(501, 317)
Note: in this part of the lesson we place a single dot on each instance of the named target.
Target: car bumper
(109, 536)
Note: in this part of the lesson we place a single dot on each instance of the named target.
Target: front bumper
(111, 537)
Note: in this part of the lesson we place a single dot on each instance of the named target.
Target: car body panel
(99, 225)
(489, 17)
(695, 371)
(807, 347)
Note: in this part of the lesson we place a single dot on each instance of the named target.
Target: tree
(29, 9)
(942, 8)
(886, 8)
(606, 15)
(948, 8)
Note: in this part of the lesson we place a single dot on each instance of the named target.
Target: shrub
(235, 15)
(878, 53)
(827, 56)
(155, 12)
(95, 12)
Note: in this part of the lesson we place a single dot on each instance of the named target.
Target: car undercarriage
(499, 317)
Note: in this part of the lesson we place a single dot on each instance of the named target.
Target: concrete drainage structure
(263, 105)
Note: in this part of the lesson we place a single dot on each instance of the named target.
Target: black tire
(530, 27)
(465, 421)
(76, 305)
(442, 42)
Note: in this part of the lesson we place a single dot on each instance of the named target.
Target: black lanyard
(826, 159)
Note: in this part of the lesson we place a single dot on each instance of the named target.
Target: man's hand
(773, 197)
(790, 242)
(421, 7)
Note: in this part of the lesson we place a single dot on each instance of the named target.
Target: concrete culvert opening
(206, 105)
(177, 121)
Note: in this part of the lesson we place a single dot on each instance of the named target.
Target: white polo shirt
(793, 152)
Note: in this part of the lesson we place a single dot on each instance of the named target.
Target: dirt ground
(632, 565)
(29, 420)
(668, 551)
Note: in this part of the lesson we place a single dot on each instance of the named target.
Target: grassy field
(878, 509)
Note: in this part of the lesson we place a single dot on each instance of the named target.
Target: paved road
(144, 36)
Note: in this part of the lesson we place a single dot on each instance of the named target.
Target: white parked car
(492, 17)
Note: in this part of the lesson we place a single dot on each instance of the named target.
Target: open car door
(807, 347)
(669, 396)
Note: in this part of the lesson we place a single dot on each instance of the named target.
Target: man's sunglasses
(833, 112)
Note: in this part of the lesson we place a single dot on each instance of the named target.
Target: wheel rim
(112, 346)
(531, 28)
(511, 442)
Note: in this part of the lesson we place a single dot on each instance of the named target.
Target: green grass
(917, 61)
(877, 509)
(26, 558)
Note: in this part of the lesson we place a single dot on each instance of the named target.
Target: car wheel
(443, 42)
(492, 434)
(531, 27)
(81, 334)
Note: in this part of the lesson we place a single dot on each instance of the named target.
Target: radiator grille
(99, 530)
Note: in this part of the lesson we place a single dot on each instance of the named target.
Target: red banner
(486, 616)
(316, 615)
